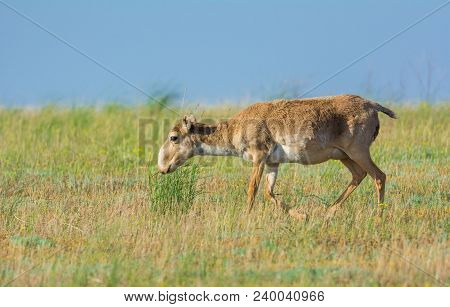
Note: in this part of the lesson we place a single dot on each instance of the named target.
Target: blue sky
(222, 50)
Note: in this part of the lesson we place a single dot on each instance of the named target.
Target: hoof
(298, 215)
(330, 214)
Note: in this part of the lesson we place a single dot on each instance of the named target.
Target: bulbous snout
(170, 157)
(164, 170)
(164, 160)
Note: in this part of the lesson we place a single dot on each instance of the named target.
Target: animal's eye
(173, 138)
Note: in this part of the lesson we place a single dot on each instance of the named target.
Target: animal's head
(178, 147)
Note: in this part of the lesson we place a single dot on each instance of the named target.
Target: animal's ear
(188, 122)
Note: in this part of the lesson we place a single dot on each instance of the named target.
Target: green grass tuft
(174, 192)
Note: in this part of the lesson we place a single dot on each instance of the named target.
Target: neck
(213, 140)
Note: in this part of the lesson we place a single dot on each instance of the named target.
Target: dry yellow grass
(75, 209)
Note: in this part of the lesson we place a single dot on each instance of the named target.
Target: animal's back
(286, 109)
(296, 120)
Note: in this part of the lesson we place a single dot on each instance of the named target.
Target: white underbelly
(288, 154)
(302, 155)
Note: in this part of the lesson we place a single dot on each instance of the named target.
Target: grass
(78, 207)
(175, 192)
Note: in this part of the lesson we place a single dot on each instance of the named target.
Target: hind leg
(362, 157)
(271, 177)
(358, 174)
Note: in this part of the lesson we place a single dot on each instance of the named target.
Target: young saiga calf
(305, 131)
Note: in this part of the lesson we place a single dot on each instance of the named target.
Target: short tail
(385, 110)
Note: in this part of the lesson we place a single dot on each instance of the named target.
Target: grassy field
(79, 207)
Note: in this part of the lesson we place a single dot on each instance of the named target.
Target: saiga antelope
(305, 131)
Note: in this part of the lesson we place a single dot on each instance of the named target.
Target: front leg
(255, 179)
(271, 177)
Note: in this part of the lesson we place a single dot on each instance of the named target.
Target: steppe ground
(78, 207)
